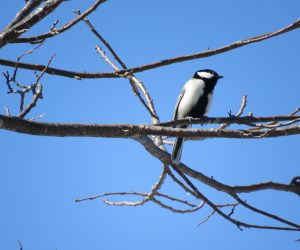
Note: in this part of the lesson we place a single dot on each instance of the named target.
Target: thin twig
(38, 92)
(7, 111)
(184, 187)
(238, 114)
(132, 79)
(36, 88)
(269, 215)
(238, 223)
(53, 32)
(24, 12)
(148, 196)
(175, 210)
(245, 120)
(12, 33)
(106, 59)
(206, 218)
(295, 111)
(138, 203)
(175, 199)
(234, 205)
(30, 51)
(20, 245)
(101, 38)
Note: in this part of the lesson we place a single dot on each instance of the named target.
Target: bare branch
(22, 26)
(214, 52)
(107, 60)
(133, 131)
(59, 72)
(101, 38)
(246, 120)
(38, 93)
(153, 199)
(105, 57)
(269, 215)
(175, 199)
(30, 52)
(295, 111)
(182, 211)
(24, 12)
(148, 196)
(81, 75)
(134, 81)
(20, 245)
(206, 218)
(165, 157)
(233, 205)
(159, 183)
(7, 111)
(238, 114)
(36, 88)
(184, 187)
(67, 26)
(238, 223)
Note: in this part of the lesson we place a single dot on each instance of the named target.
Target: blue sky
(42, 176)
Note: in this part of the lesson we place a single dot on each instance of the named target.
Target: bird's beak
(220, 77)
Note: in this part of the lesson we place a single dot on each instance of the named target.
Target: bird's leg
(190, 119)
(204, 120)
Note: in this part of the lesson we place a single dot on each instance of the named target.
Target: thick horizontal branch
(153, 65)
(130, 130)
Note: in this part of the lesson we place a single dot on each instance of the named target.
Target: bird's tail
(177, 151)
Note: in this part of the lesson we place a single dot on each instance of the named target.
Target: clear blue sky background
(42, 176)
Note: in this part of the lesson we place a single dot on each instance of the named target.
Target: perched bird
(194, 102)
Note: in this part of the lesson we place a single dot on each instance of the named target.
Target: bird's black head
(207, 75)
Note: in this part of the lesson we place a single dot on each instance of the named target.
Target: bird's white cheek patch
(206, 75)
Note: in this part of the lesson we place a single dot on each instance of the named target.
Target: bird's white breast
(210, 100)
(194, 88)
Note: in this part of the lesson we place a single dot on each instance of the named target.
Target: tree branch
(208, 53)
(37, 93)
(136, 132)
(231, 120)
(23, 26)
(165, 158)
(54, 32)
(131, 130)
(24, 12)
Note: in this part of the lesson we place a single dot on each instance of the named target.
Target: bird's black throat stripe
(199, 109)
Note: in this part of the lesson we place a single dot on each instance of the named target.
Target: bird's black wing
(177, 104)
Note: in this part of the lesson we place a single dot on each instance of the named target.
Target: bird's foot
(204, 120)
(190, 120)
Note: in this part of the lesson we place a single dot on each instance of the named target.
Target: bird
(194, 101)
